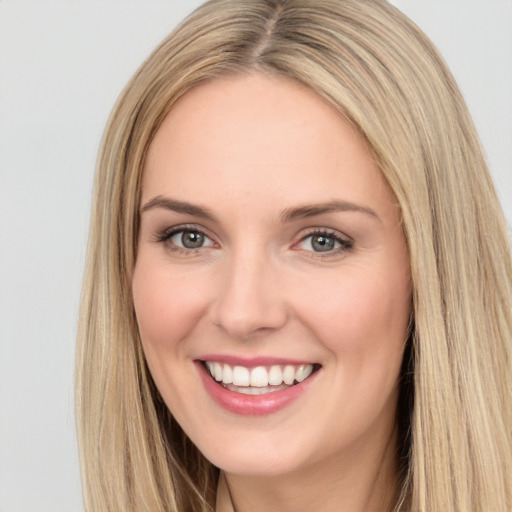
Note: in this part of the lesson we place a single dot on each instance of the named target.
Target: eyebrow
(177, 206)
(288, 215)
(312, 210)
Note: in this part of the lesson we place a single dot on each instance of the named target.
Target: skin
(248, 148)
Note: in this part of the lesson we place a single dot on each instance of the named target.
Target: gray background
(62, 64)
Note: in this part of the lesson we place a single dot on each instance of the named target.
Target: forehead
(229, 137)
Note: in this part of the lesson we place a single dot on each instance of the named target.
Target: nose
(250, 300)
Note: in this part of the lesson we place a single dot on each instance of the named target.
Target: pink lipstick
(255, 386)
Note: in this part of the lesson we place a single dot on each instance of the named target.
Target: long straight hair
(383, 75)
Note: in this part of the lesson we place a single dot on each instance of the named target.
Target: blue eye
(324, 242)
(186, 239)
(189, 239)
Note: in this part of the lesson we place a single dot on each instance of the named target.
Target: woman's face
(270, 254)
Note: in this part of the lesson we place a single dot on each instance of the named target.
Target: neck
(360, 482)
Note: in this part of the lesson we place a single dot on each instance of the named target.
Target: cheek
(356, 305)
(167, 305)
(362, 319)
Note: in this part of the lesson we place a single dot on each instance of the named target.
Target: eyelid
(321, 230)
(166, 234)
(346, 243)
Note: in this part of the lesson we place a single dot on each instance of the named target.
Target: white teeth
(289, 374)
(275, 376)
(217, 371)
(227, 374)
(241, 376)
(259, 377)
(303, 372)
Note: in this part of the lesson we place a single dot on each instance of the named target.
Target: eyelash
(166, 235)
(345, 244)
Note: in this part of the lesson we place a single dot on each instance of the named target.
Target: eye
(190, 239)
(324, 242)
(185, 239)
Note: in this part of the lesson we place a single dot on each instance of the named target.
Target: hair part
(383, 75)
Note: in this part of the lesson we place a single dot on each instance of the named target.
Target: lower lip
(252, 405)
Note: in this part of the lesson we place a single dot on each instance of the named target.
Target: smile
(255, 387)
(260, 379)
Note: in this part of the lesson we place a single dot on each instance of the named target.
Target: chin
(253, 465)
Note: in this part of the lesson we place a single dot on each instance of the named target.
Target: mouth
(258, 380)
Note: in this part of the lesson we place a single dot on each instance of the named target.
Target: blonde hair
(383, 75)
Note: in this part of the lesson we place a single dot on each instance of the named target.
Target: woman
(298, 289)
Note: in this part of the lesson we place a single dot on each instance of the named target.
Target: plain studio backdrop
(62, 65)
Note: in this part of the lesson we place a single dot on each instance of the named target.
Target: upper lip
(252, 362)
